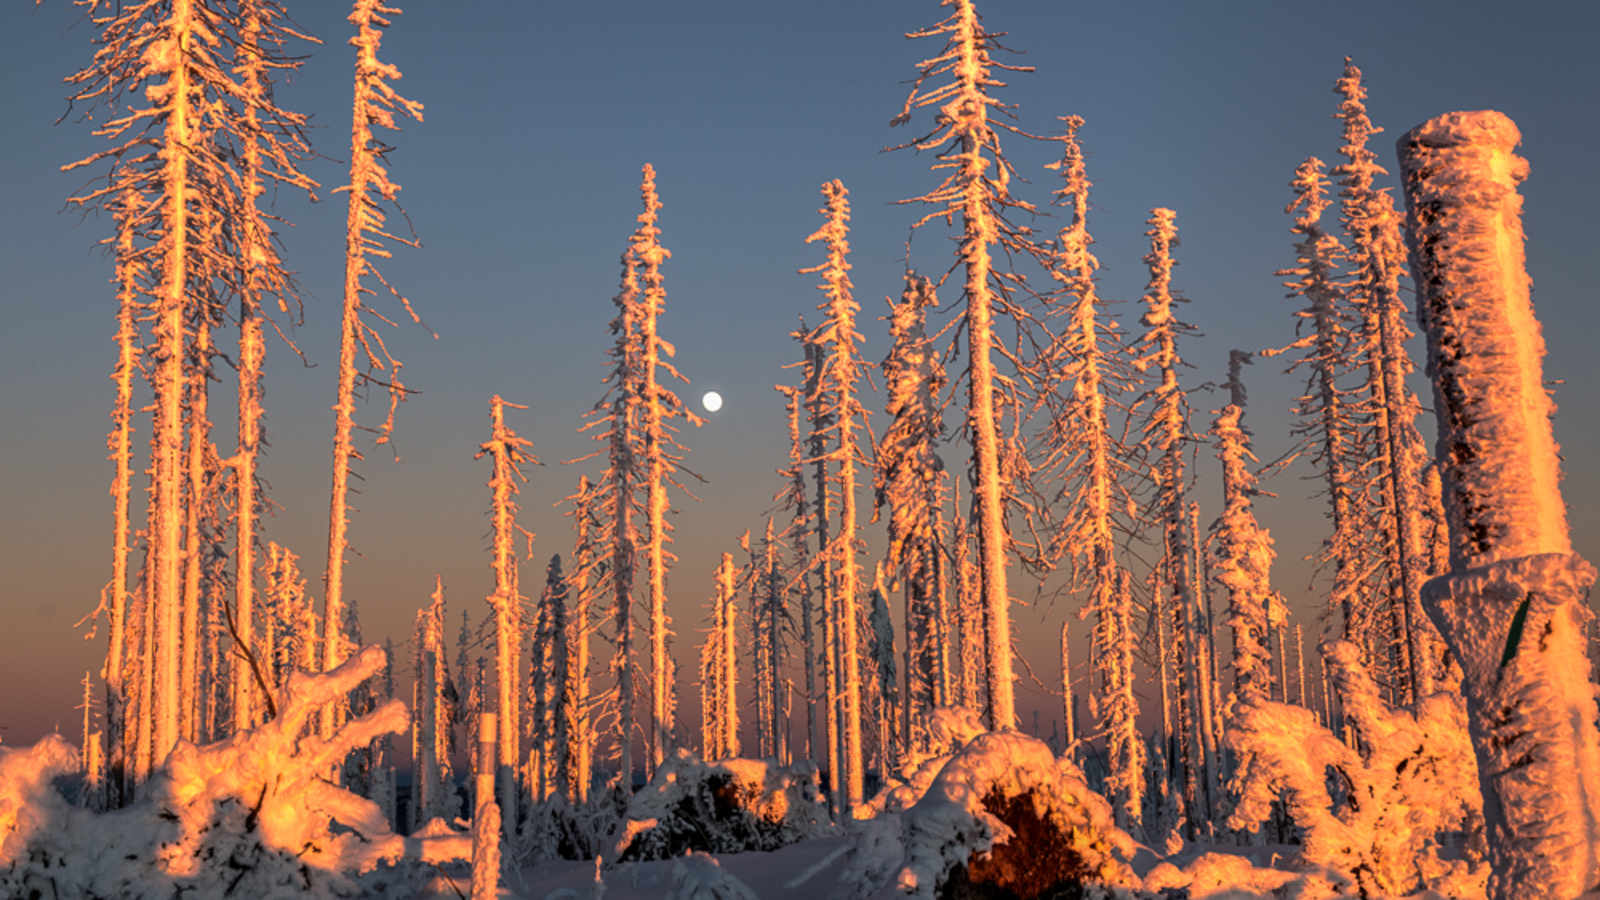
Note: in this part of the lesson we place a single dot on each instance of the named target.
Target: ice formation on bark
(1512, 609)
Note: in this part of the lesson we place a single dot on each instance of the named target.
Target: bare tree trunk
(1512, 608)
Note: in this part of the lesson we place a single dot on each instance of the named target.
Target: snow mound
(1221, 876)
(728, 806)
(251, 816)
(699, 876)
(942, 732)
(1003, 817)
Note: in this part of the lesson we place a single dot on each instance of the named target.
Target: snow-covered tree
(270, 152)
(1165, 436)
(819, 419)
(975, 187)
(1376, 264)
(1512, 609)
(719, 709)
(584, 584)
(1327, 416)
(1244, 555)
(1085, 371)
(433, 711)
(508, 452)
(909, 479)
(376, 103)
(793, 497)
(840, 368)
(661, 455)
(130, 274)
(554, 712)
(168, 149)
(769, 620)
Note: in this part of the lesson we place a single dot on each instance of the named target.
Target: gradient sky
(523, 185)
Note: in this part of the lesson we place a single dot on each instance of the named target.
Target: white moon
(712, 401)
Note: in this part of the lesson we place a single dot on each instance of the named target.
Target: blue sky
(522, 184)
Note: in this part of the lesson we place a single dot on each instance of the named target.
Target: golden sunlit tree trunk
(1513, 607)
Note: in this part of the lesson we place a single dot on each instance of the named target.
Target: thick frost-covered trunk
(1512, 609)
(375, 103)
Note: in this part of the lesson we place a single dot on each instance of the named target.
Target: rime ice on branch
(1513, 607)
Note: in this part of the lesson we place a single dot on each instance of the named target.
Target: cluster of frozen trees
(1069, 431)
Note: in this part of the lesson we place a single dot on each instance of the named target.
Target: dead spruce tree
(975, 190)
(1085, 370)
(585, 583)
(661, 455)
(508, 452)
(1391, 440)
(1325, 413)
(433, 710)
(270, 153)
(840, 369)
(173, 189)
(376, 103)
(614, 499)
(793, 497)
(1165, 435)
(909, 480)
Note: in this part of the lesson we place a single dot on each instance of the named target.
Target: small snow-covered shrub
(727, 806)
(942, 731)
(1003, 818)
(1410, 783)
(251, 816)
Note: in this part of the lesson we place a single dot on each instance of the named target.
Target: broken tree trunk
(1512, 606)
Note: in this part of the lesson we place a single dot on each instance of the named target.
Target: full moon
(712, 401)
